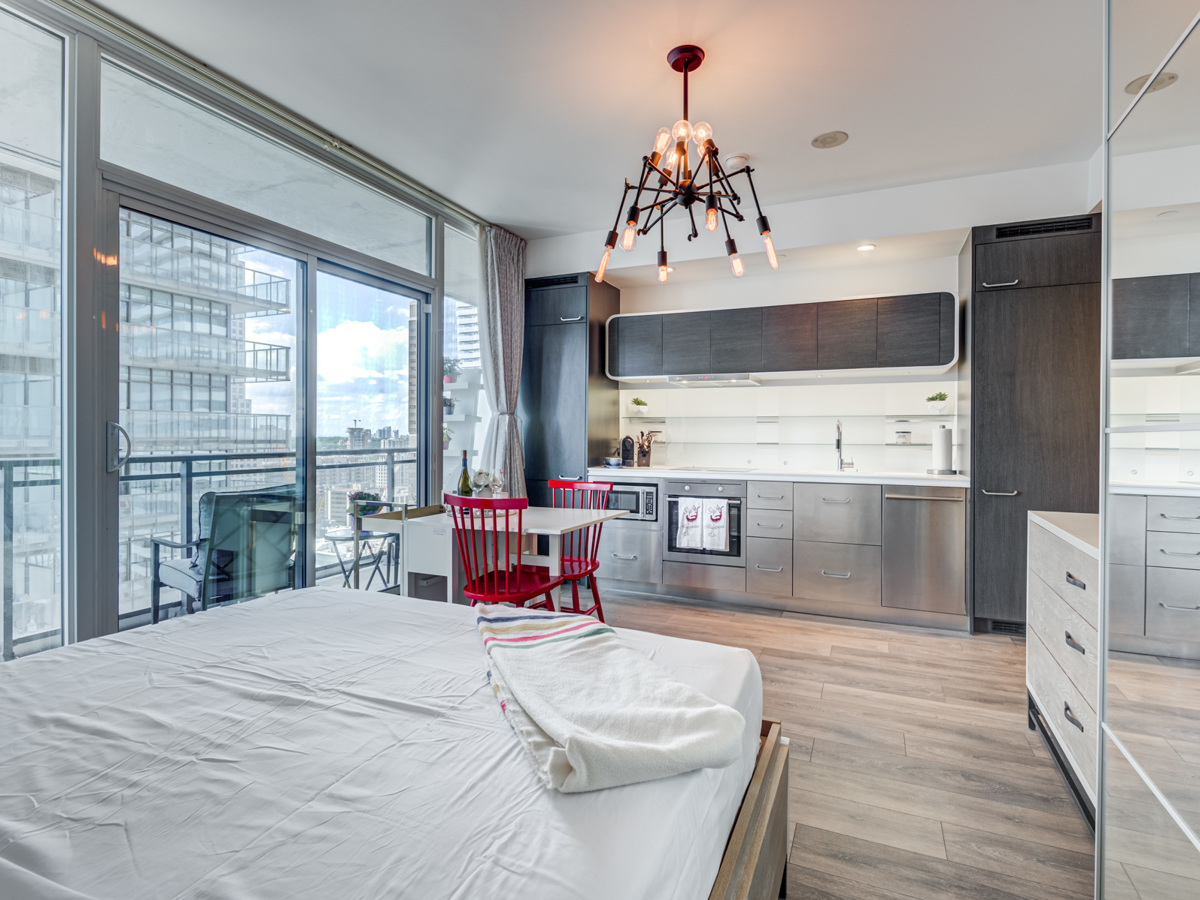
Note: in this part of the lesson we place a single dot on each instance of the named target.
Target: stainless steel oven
(732, 491)
(639, 499)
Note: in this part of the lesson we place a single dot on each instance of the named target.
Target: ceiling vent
(553, 281)
(1033, 229)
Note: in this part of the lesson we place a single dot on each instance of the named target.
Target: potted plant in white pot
(938, 403)
(637, 407)
(450, 369)
(365, 507)
(447, 406)
(447, 433)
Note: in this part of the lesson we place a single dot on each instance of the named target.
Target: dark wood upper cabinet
(556, 305)
(948, 332)
(1037, 261)
(789, 336)
(635, 346)
(847, 334)
(1194, 315)
(736, 340)
(686, 344)
(910, 330)
(1151, 317)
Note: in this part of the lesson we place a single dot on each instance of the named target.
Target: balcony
(165, 430)
(29, 332)
(30, 236)
(161, 348)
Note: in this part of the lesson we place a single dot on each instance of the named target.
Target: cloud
(355, 350)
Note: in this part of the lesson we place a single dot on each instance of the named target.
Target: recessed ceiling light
(864, 248)
(1165, 80)
(830, 139)
(1167, 213)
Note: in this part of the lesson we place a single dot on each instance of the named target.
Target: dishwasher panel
(924, 548)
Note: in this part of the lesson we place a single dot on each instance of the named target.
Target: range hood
(742, 380)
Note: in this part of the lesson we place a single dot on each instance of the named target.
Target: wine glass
(496, 482)
(479, 481)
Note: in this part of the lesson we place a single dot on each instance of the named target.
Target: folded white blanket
(689, 530)
(593, 713)
(716, 525)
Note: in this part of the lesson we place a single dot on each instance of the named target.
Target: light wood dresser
(1062, 643)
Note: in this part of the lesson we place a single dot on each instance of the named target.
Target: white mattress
(330, 744)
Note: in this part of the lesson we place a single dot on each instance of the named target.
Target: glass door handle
(112, 444)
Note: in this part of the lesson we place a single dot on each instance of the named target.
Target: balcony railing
(31, 235)
(170, 430)
(181, 479)
(162, 348)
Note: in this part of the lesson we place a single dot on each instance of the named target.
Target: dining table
(428, 545)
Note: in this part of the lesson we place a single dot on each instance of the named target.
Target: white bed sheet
(330, 744)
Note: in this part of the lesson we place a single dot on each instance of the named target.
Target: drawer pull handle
(1000, 493)
(1001, 283)
(1179, 518)
(1075, 645)
(626, 558)
(767, 568)
(767, 525)
(917, 497)
(1179, 608)
(1176, 552)
(761, 497)
(835, 574)
(1071, 579)
(573, 319)
(835, 500)
(1070, 718)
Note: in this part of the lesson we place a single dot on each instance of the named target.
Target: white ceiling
(531, 112)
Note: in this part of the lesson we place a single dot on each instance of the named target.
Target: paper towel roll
(943, 448)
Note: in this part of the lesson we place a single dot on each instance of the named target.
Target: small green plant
(364, 508)
(638, 401)
(447, 433)
(939, 397)
(451, 366)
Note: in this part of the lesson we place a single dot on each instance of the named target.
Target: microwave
(640, 500)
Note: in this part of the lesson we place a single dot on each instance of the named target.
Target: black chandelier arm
(695, 233)
(662, 215)
(642, 183)
(753, 192)
(621, 208)
(664, 173)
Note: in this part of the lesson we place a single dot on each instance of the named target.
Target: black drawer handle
(1075, 645)
(1179, 608)
(1001, 283)
(767, 525)
(1071, 579)
(835, 574)
(626, 558)
(1165, 552)
(1180, 518)
(767, 568)
(1070, 718)
(835, 500)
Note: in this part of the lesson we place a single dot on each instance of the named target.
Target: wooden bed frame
(754, 866)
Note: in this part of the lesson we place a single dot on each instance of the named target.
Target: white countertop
(1081, 530)
(898, 478)
(1162, 489)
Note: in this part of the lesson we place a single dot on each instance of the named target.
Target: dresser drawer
(839, 573)
(769, 495)
(1127, 599)
(769, 567)
(1065, 709)
(838, 513)
(1173, 604)
(630, 553)
(1173, 514)
(769, 523)
(1173, 549)
(1071, 641)
(1070, 573)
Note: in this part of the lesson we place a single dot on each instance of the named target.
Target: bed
(332, 743)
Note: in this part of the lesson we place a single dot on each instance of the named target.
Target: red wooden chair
(487, 544)
(581, 549)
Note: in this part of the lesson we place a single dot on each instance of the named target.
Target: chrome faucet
(842, 465)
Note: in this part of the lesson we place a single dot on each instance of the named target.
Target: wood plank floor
(913, 774)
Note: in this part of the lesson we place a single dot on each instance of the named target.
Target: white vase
(636, 412)
(938, 407)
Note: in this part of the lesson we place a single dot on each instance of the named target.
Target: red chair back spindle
(582, 545)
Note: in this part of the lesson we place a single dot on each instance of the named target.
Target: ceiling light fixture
(830, 139)
(1165, 80)
(677, 186)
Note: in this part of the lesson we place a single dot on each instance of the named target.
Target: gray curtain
(503, 333)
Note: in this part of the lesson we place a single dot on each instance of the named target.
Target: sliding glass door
(208, 397)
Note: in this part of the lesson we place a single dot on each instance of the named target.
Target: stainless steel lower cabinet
(1127, 600)
(1173, 604)
(712, 578)
(769, 566)
(924, 540)
(837, 573)
(631, 551)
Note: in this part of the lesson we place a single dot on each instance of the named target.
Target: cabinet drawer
(769, 523)
(1173, 604)
(1058, 700)
(1127, 529)
(769, 495)
(838, 573)
(1070, 573)
(1173, 550)
(628, 553)
(1071, 641)
(1038, 262)
(713, 578)
(556, 305)
(769, 567)
(1179, 514)
(1127, 599)
(838, 513)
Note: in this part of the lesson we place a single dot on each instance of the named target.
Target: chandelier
(672, 177)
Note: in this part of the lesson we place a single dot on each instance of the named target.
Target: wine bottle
(464, 480)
